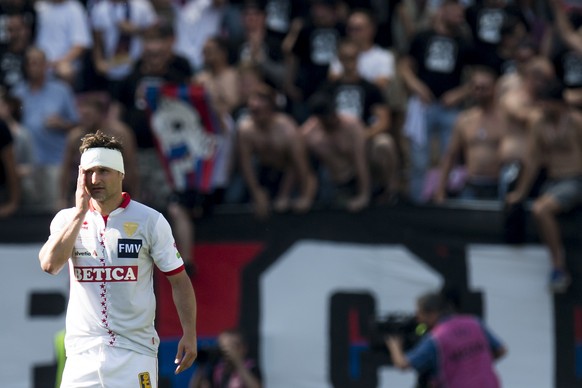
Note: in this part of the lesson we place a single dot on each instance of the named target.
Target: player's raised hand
(82, 195)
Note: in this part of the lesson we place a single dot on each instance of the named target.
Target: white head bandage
(103, 157)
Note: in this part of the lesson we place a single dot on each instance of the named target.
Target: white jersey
(112, 298)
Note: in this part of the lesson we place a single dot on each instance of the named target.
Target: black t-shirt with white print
(280, 13)
(568, 65)
(315, 48)
(486, 24)
(355, 99)
(440, 60)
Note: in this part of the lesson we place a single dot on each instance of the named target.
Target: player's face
(103, 183)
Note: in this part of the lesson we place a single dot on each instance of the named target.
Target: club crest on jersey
(144, 380)
(130, 228)
(128, 248)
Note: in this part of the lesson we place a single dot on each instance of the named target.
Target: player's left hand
(187, 352)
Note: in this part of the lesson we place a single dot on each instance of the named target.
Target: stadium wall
(305, 288)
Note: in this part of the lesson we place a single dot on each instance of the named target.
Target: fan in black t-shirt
(12, 52)
(439, 60)
(433, 71)
(384, 13)
(486, 21)
(353, 96)
(157, 65)
(313, 51)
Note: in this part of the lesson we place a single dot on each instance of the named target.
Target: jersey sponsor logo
(126, 273)
(81, 253)
(128, 248)
(130, 228)
(144, 380)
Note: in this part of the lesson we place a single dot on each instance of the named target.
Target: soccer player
(111, 244)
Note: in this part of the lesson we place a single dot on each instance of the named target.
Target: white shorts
(110, 367)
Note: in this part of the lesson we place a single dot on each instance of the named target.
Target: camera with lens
(401, 325)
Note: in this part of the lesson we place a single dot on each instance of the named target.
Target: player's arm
(449, 159)
(185, 302)
(55, 253)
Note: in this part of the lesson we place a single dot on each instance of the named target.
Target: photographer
(229, 366)
(457, 352)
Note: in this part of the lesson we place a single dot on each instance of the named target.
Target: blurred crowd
(341, 103)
